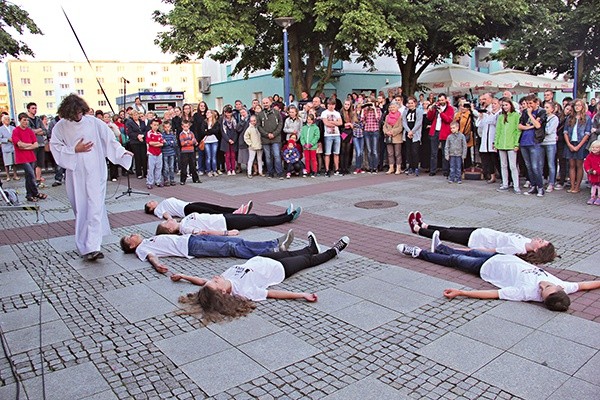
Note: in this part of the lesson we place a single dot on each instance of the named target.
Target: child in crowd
(229, 137)
(155, 143)
(455, 151)
(187, 142)
(168, 152)
(231, 294)
(252, 139)
(309, 137)
(291, 157)
(591, 165)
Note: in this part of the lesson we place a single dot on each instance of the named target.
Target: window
(120, 68)
(153, 73)
(78, 80)
(98, 68)
(49, 105)
(80, 92)
(102, 103)
(121, 91)
(141, 79)
(166, 68)
(63, 74)
(64, 85)
(25, 106)
(48, 81)
(182, 68)
(153, 84)
(140, 68)
(99, 91)
(101, 80)
(25, 81)
(166, 79)
(47, 68)
(76, 68)
(24, 68)
(49, 92)
(27, 93)
(183, 79)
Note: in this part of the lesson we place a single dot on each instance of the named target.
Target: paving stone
(124, 301)
(27, 317)
(331, 300)
(366, 315)
(576, 389)
(506, 334)
(589, 372)
(589, 265)
(29, 338)
(548, 225)
(574, 329)
(192, 346)
(8, 254)
(522, 313)
(17, 282)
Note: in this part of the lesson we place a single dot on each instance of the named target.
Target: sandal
(42, 196)
(32, 199)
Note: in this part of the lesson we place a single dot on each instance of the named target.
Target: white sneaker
(407, 250)
(286, 240)
(435, 241)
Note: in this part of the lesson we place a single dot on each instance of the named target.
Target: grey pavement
(380, 330)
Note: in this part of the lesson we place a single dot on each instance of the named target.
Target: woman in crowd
(292, 124)
(199, 129)
(561, 161)
(229, 139)
(549, 144)
(392, 136)
(347, 114)
(578, 128)
(412, 122)
(137, 141)
(506, 142)
(487, 150)
(211, 141)
(371, 115)
(358, 139)
(8, 149)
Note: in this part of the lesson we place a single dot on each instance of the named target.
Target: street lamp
(575, 54)
(285, 22)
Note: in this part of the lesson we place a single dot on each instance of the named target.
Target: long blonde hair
(214, 306)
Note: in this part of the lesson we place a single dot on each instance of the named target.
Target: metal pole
(575, 73)
(286, 70)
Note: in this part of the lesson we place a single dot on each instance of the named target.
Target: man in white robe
(81, 143)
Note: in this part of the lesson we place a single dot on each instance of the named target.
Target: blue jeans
(532, 155)
(211, 156)
(455, 169)
(154, 176)
(169, 168)
(30, 186)
(201, 161)
(273, 156)
(359, 143)
(332, 144)
(372, 142)
(464, 260)
(59, 173)
(549, 151)
(227, 246)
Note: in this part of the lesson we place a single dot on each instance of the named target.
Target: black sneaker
(57, 183)
(312, 243)
(341, 244)
(93, 256)
(327, 174)
(405, 249)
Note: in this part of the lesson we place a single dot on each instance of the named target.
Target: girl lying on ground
(535, 251)
(232, 294)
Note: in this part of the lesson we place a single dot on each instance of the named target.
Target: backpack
(10, 196)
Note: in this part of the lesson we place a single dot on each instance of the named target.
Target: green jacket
(310, 134)
(507, 133)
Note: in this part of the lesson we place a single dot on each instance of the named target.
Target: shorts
(8, 158)
(332, 143)
(40, 156)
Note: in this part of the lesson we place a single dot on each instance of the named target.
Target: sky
(108, 30)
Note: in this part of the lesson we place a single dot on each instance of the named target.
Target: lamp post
(285, 22)
(575, 54)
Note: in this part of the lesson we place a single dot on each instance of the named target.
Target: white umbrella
(457, 79)
(527, 83)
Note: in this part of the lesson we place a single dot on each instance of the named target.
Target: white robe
(86, 175)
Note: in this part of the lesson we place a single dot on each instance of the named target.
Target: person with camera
(371, 115)
(466, 124)
(442, 114)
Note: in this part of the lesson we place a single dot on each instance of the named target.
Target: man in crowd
(270, 124)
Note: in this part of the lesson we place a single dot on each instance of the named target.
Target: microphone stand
(129, 190)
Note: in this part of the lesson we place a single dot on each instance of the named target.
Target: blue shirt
(169, 144)
(528, 136)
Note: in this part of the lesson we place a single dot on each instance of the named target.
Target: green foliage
(13, 17)
(552, 29)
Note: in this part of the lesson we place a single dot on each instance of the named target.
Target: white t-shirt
(252, 278)
(164, 246)
(518, 280)
(505, 243)
(331, 116)
(195, 223)
(172, 206)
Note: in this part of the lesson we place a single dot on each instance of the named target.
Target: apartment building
(48, 82)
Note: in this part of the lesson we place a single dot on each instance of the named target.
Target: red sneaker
(412, 222)
(419, 217)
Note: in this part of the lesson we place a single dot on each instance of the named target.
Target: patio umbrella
(527, 83)
(458, 79)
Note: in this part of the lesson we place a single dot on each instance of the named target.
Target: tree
(553, 28)
(425, 32)
(13, 17)
(245, 30)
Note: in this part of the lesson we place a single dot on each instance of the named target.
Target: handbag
(201, 145)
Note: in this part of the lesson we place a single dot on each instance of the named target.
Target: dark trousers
(449, 234)
(245, 221)
(464, 260)
(561, 162)
(206, 208)
(187, 161)
(30, 187)
(139, 156)
(412, 153)
(489, 163)
(297, 260)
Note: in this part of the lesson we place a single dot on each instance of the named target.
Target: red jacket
(592, 161)
(447, 116)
